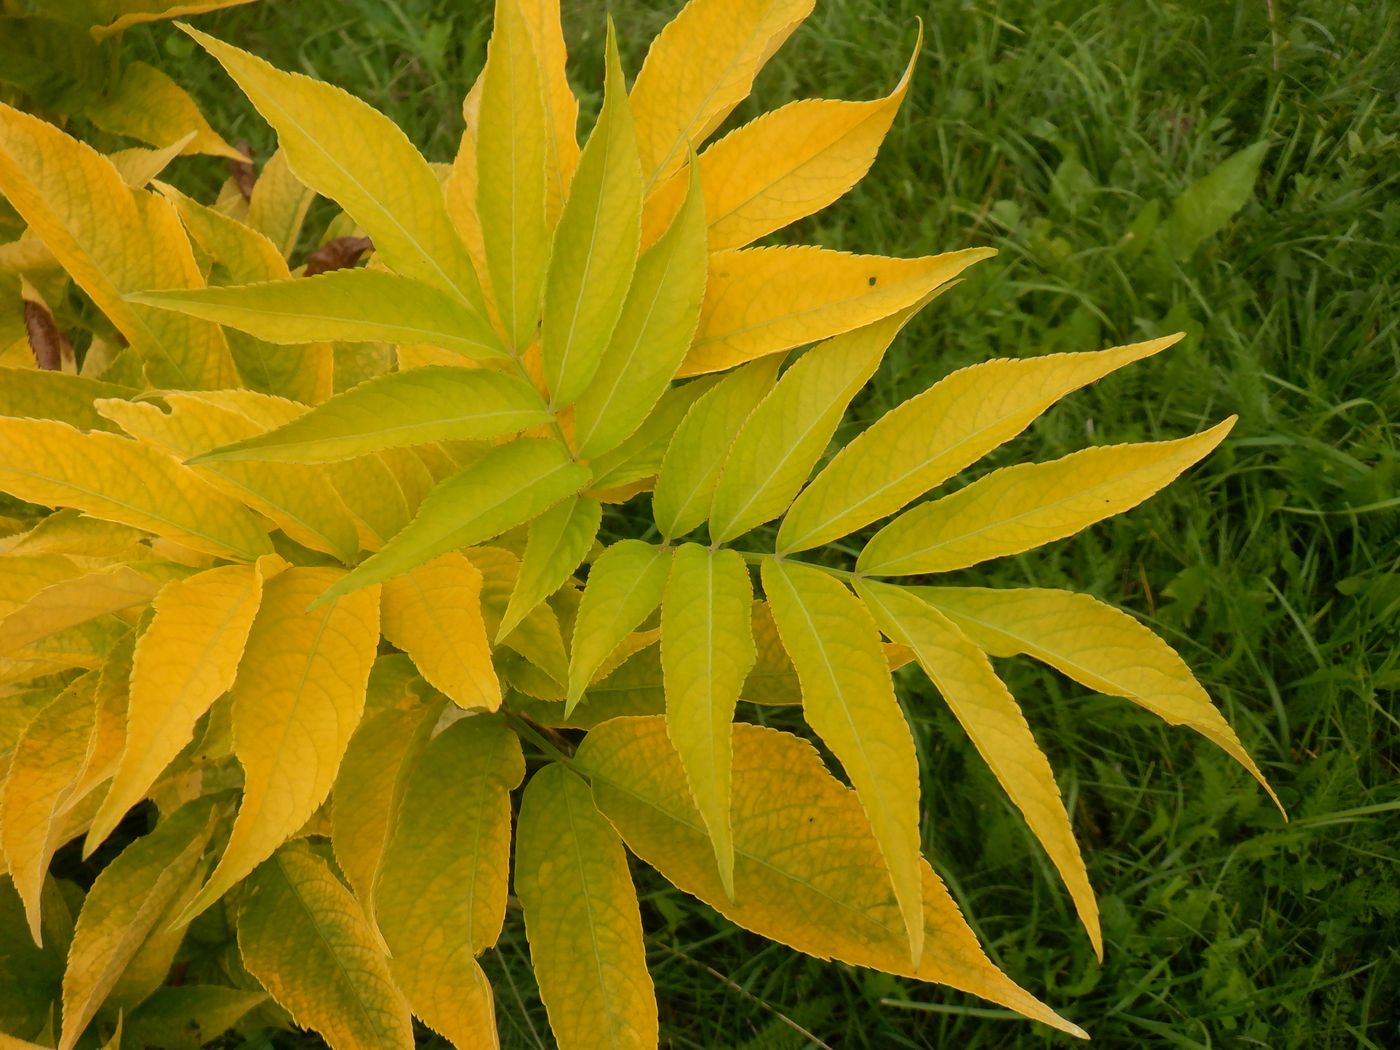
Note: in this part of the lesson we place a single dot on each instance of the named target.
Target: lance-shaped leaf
(298, 499)
(581, 918)
(556, 545)
(298, 696)
(542, 18)
(433, 613)
(699, 68)
(595, 246)
(60, 187)
(782, 440)
(510, 485)
(245, 255)
(117, 479)
(762, 300)
(184, 661)
(31, 977)
(1022, 507)
(929, 438)
(187, 1016)
(773, 680)
(147, 105)
(356, 156)
(707, 650)
(128, 13)
(305, 939)
(277, 209)
(658, 320)
(129, 897)
(45, 763)
(691, 467)
(624, 587)
(28, 393)
(430, 404)
(353, 304)
(803, 852)
(848, 698)
(1096, 645)
(629, 467)
(453, 828)
(512, 154)
(110, 704)
(994, 723)
(71, 602)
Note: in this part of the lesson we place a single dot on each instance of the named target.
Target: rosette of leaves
(334, 562)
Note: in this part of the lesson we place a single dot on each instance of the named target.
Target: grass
(1055, 131)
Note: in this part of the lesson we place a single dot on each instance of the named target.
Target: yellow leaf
(127, 13)
(707, 650)
(1096, 645)
(510, 485)
(245, 255)
(454, 828)
(111, 704)
(354, 304)
(762, 300)
(23, 575)
(117, 479)
(356, 156)
(47, 759)
(558, 541)
(848, 698)
(433, 613)
(805, 861)
(633, 687)
(279, 203)
(305, 939)
(595, 246)
(929, 438)
(697, 451)
(71, 602)
(433, 403)
(60, 186)
(147, 105)
(561, 107)
(184, 661)
(581, 918)
(658, 319)
(512, 164)
(298, 696)
(699, 68)
(625, 585)
(782, 440)
(773, 679)
(994, 723)
(296, 498)
(129, 897)
(139, 167)
(1019, 508)
(28, 393)
(84, 540)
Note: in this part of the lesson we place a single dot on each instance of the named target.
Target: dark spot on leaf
(874, 280)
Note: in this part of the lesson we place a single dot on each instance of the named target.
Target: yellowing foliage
(302, 577)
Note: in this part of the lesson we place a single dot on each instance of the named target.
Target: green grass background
(1069, 135)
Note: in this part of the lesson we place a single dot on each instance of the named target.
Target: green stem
(527, 729)
(759, 557)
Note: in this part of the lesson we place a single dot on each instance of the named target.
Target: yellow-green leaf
(707, 650)
(690, 469)
(994, 723)
(28, 393)
(1096, 645)
(773, 680)
(117, 479)
(184, 661)
(429, 404)
(279, 204)
(556, 544)
(806, 863)
(638, 458)
(60, 186)
(167, 1018)
(298, 696)
(433, 613)
(512, 165)
(353, 304)
(929, 438)
(356, 156)
(1022, 507)
(129, 897)
(625, 585)
(652, 336)
(848, 698)
(149, 106)
(560, 105)
(762, 300)
(126, 13)
(699, 68)
(31, 977)
(782, 440)
(510, 485)
(71, 602)
(245, 255)
(305, 939)
(441, 895)
(581, 918)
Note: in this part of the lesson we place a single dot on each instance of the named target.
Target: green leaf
(556, 545)
(189, 1016)
(510, 485)
(421, 406)
(595, 245)
(625, 586)
(1209, 203)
